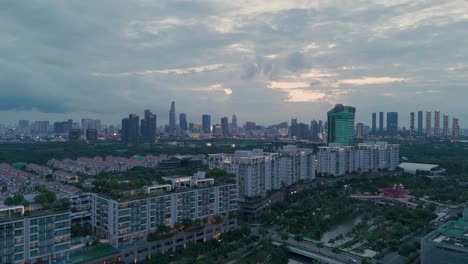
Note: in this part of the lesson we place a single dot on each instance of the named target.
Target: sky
(264, 60)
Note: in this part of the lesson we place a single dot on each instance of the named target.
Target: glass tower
(341, 125)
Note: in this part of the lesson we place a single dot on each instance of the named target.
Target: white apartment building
(259, 172)
(336, 160)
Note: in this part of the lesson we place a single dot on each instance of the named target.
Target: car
(351, 260)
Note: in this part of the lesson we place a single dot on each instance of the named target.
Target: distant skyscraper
(455, 128)
(314, 130)
(91, 134)
(374, 123)
(420, 123)
(293, 128)
(428, 124)
(234, 124)
(381, 122)
(23, 127)
(148, 127)
(446, 126)
(206, 124)
(437, 123)
(250, 125)
(183, 122)
(87, 123)
(130, 129)
(360, 130)
(172, 119)
(74, 135)
(225, 126)
(392, 123)
(412, 124)
(341, 125)
(40, 128)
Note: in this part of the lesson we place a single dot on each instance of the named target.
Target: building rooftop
(453, 234)
(418, 166)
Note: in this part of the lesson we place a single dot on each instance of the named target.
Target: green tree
(17, 199)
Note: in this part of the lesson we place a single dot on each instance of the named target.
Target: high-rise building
(62, 127)
(183, 122)
(392, 123)
(374, 123)
(381, 123)
(148, 127)
(420, 123)
(437, 123)
(428, 124)
(172, 119)
(87, 123)
(341, 125)
(91, 134)
(455, 128)
(412, 132)
(360, 130)
(23, 127)
(225, 126)
(250, 125)
(293, 128)
(130, 129)
(206, 124)
(314, 130)
(302, 131)
(74, 135)
(446, 126)
(40, 128)
(234, 124)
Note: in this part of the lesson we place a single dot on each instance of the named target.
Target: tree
(18, 199)
(159, 258)
(299, 238)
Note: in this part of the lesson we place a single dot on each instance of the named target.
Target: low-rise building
(430, 170)
(448, 244)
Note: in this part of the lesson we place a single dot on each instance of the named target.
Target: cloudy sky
(264, 60)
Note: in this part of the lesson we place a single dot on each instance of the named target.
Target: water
(340, 229)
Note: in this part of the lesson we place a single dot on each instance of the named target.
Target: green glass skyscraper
(341, 125)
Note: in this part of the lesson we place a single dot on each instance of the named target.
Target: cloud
(108, 58)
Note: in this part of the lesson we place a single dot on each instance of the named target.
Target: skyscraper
(148, 127)
(23, 127)
(381, 122)
(293, 128)
(420, 123)
(412, 123)
(341, 125)
(392, 123)
(130, 129)
(225, 126)
(234, 124)
(172, 119)
(374, 123)
(206, 124)
(428, 124)
(360, 131)
(314, 130)
(455, 128)
(183, 122)
(437, 123)
(446, 126)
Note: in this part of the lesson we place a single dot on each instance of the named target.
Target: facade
(172, 119)
(148, 127)
(446, 126)
(381, 123)
(420, 123)
(374, 123)
(130, 129)
(206, 124)
(428, 124)
(91, 134)
(392, 123)
(225, 126)
(258, 172)
(336, 160)
(448, 244)
(412, 131)
(437, 123)
(33, 238)
(455, 128)
(341, 125)
(23, 127)
(183, 122)
(314, 130)
(234, 125)
(360, 131)
(74, 134)
(127, 223)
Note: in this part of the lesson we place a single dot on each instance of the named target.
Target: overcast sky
(264, 60)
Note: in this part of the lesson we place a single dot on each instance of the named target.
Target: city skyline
(108, 60)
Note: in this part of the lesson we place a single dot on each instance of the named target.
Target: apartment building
(126, 223)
